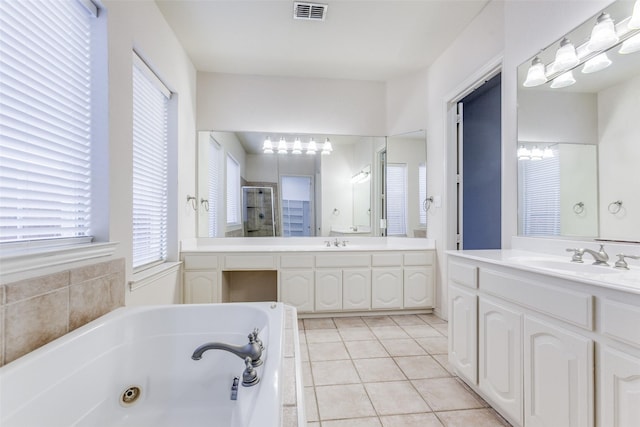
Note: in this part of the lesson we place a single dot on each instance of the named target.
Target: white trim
(90, 6)
(26, 260)
(150, 74)
(150, 275)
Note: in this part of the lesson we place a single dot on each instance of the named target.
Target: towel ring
(426, 204)
(614, 207)
(336, 211)
(578, 208)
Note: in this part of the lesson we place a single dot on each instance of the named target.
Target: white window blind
(215, 153)
(396, 199)
(541, 196)
(150, 168)
(233, 191)
(45, 120)
(422, 193)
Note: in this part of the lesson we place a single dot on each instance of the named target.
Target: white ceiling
(360, 39)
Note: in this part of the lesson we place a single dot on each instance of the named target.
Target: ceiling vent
(309, 11)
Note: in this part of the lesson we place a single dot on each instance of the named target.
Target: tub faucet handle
(249, 376)
(234, 388)
(577, 254)
(256, 339)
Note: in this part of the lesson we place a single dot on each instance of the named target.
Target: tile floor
(385, 371)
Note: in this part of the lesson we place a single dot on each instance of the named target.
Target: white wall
(619, 150)
(140, 25)
(578, 183)
(337, 198)
(290, 105)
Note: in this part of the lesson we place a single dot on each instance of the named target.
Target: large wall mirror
(578, 132)
(271, 184)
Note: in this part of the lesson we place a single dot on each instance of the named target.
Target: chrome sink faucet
(600, 256)
(252, 350)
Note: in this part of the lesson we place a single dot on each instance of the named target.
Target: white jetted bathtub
(133, 367)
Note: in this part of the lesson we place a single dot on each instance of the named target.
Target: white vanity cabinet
(200, 279)
(356, 289)
(297, 281)
(544, 350)
(328, 290)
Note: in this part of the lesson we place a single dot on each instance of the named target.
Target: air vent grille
(309, 11)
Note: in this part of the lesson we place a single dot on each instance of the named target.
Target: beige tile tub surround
(385, 371)
(36, 311)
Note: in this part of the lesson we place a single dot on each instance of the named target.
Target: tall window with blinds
(45, 120)
(540, 197)
(150, 166)
(422, 193)
(215, 154)
(233, 192)
(396, 199)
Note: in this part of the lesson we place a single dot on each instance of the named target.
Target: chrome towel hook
(205, 204)
(193, 201)
(578, 208)
(614, 207)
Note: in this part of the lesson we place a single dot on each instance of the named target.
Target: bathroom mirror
(588, 120)
(313, 195)
(406, 182)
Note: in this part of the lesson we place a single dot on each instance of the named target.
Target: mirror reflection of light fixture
(634, 22)
(603, 35)
(360, 177)
(282, 146)
(311, 147)
(535, 75)
(563, 80)
(326, 147)
(536, 153)
(547, 153)
(523, 153)
(566, 56)
(597, 63)
(267, 146)
(297, 147)
(630, 45)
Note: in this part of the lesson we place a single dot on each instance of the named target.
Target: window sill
(18, 261)
(150, 275)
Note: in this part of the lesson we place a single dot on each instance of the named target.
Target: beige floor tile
(353, 422)
(365, 349)
(304, 352)
(322, 323)
(322, 335)
(356, 334)
(421, 367)
(399, 397)
(431, 319)
(300, 325)
(389, 332)
(374, 370)
(373, 321)
(407, 319)
(332, 372)
(403, 347)
(446, 394)
(302, 337)
(310, 404)
(473, 417)
(349, 322)
(443, 328)
(443, 360)
(343, 401)
(433, 345)
(421, 331)
(412, 420)
(327, 351)
(313, 424)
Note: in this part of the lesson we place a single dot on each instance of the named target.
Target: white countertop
(609, 277)
(305, 244)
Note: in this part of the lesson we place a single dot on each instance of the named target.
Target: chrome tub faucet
(253, 349)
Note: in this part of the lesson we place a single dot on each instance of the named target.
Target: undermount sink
(561, 265)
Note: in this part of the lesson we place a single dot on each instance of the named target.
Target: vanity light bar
(296, 147)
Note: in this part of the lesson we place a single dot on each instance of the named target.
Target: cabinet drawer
(419, 258)
(249, 262)
(620, 321)
(201, 262)
(296, 261)
(386, 260)
(463, 273)
(573, 307)
(343, 260)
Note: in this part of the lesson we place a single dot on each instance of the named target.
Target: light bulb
(297, 147)
(563, 80)
(326, 147)
(535, 75)
(523, 153)
(630, 45)
(547, 153)
(536, 153)
(282, 146)
(603, 34)
(311, 147)
(634, 22)
(565, 56)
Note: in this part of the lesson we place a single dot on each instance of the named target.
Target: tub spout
(253, 349)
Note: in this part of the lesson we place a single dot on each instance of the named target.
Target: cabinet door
(356, 289)
(500, 356)
(386, 288)
(296, 289)
(463, 332)
(619, 389)
(558, 376)
(418, 287)
(200, 287)
(328, 290)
